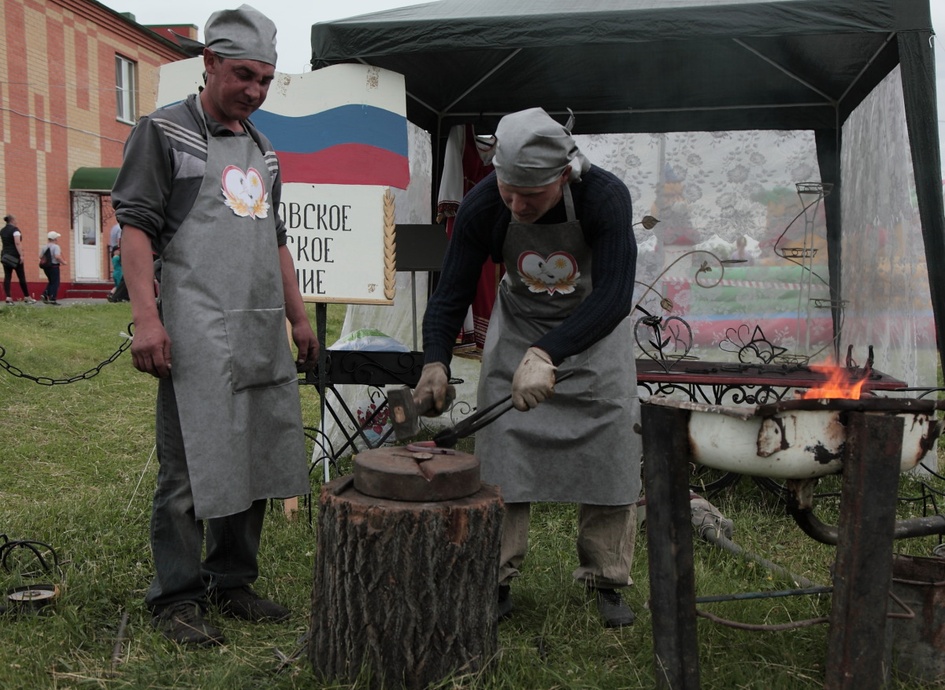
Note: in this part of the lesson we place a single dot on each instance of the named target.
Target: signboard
(341, 252)
(341, 137)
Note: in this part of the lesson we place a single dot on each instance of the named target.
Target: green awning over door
(93, 180)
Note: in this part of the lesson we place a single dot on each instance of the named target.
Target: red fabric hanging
(474, 170)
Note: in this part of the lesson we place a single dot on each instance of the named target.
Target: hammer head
(403, 413)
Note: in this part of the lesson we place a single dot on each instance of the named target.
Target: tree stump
(405, 593)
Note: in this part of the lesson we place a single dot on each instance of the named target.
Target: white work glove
(534, 379)
(430, 395)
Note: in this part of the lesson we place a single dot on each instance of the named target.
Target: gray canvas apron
(579, 445)
(223, 307)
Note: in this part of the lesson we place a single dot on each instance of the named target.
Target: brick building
(74, 78)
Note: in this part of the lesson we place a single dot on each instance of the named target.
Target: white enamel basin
(765, 441)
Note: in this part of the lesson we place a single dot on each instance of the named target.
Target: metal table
(733, 383)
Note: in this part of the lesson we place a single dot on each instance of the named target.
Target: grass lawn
(77, 472)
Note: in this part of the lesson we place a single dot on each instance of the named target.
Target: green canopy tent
(637, 66)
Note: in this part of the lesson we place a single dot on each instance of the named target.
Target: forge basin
(797, 439)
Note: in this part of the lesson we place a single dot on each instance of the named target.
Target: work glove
(534, 380)
(431, 396)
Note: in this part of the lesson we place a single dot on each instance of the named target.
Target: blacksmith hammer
(404, 415)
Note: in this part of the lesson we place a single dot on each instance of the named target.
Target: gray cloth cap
(242, 34)
(532, 150)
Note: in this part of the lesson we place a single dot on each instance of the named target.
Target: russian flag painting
(341, 125)
(348, 144)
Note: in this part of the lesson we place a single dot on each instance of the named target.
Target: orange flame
(837, 385)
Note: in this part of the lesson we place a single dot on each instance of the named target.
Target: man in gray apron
(562, 227)
(200, 187)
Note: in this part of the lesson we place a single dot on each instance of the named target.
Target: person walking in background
(114, 238)
(11, 256)
(229, 418)
(50, 259)
(116, 274)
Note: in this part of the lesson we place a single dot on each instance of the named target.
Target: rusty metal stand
(669, 546)
(863, 568)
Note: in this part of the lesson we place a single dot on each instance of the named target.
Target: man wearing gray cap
(200, 189)
(562, 228)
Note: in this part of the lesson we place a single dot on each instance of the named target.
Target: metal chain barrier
(46, 381)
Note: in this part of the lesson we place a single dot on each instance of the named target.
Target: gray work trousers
(605, 540)
(182, 573)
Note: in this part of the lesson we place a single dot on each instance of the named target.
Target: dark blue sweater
(602, 205)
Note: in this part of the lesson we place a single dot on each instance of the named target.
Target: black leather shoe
(612, 608)
(184, 623)
(243, 602)
(505, 602)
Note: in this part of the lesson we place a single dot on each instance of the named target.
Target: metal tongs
(449, 437)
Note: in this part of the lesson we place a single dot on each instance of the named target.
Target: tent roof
(632, 65)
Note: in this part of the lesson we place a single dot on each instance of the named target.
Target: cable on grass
(807, 623)
(907, 614)
(40, 551)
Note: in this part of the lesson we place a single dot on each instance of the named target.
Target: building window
(125, 89)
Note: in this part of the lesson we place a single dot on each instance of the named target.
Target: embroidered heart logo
(557, 272)
(244, 193)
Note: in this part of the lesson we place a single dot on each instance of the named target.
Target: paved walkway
(61, 302)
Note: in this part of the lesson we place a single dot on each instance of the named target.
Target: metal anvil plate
(402, 473)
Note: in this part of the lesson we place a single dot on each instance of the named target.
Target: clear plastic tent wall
(711, 192)
(769, 300)
(885, 278)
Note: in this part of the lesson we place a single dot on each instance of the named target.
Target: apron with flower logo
(579, 445)
(223, 307)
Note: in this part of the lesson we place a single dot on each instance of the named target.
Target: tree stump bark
(404, 593)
